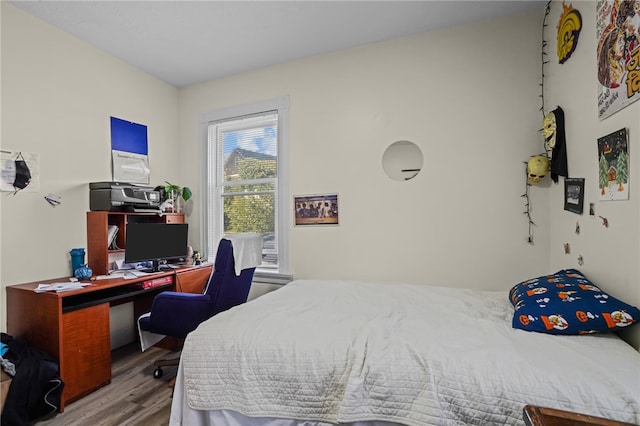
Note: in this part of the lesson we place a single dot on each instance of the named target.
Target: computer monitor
(155, 242)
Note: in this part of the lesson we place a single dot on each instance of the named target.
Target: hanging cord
(543, 59)
(543, 62)
(528, 205)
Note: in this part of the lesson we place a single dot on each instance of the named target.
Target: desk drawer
(193, 280)
(86, 361)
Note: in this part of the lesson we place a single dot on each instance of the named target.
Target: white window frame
(281, 104)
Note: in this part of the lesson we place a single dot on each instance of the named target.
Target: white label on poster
(130, 167)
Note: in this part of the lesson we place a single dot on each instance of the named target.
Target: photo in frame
(319, 209)
(574, 195)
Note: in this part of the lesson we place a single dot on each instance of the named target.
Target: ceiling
(187, 42)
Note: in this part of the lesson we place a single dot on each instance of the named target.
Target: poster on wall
(19, 171)
(321, 209)
(129, 152)
(617, 55)
(613, 166)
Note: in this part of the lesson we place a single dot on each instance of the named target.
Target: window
(246, 184)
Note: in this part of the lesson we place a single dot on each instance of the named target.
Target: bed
(367, 353)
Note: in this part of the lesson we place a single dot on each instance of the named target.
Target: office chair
(177, 314)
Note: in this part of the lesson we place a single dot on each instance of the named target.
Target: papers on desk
(60, 287)
(126, 274)
(111, 237)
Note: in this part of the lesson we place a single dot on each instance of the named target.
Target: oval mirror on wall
(402, 160)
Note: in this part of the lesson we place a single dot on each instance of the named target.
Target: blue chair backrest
(225, 288)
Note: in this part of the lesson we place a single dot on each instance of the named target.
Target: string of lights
(543, 62)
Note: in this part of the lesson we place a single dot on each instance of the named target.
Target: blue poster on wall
(129, 148)
(129, 137)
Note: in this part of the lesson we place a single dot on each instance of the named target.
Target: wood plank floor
(133, 398)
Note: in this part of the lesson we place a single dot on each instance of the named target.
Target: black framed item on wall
(574, 195)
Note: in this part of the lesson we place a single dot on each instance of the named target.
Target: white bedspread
(338, 351)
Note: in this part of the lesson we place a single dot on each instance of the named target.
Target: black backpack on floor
(36, 387)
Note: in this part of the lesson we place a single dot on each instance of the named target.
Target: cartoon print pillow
(568, 303)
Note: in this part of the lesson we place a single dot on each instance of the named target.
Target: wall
(610, 254)
(57, 96)
(467, 96)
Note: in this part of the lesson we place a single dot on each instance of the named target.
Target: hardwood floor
(133, 398)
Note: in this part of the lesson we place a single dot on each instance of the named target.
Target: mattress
(329, 352)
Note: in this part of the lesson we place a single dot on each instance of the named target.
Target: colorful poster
(613, 166)
(618, 55)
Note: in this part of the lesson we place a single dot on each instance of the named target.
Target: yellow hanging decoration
(549, 128)
(569, 28)
(537, 169)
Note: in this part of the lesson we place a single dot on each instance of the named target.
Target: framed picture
(613, 166)
(321, 209)
(574, 194)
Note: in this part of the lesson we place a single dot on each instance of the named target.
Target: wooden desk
(542, 416)
(74, 328)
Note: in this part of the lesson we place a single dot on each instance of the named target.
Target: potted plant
(173, 196)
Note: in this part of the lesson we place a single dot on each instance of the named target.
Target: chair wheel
(157, 373)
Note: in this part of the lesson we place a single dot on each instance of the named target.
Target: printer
(121, 196)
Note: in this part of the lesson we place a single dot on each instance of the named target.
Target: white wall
(57, 96)
(611, 255)
(467, 96)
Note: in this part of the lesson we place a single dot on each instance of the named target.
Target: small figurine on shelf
(197, 257)
(167, 206)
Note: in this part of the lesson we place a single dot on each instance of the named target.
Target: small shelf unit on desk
(98, 222)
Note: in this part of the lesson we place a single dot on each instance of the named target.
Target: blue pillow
(568, 303)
